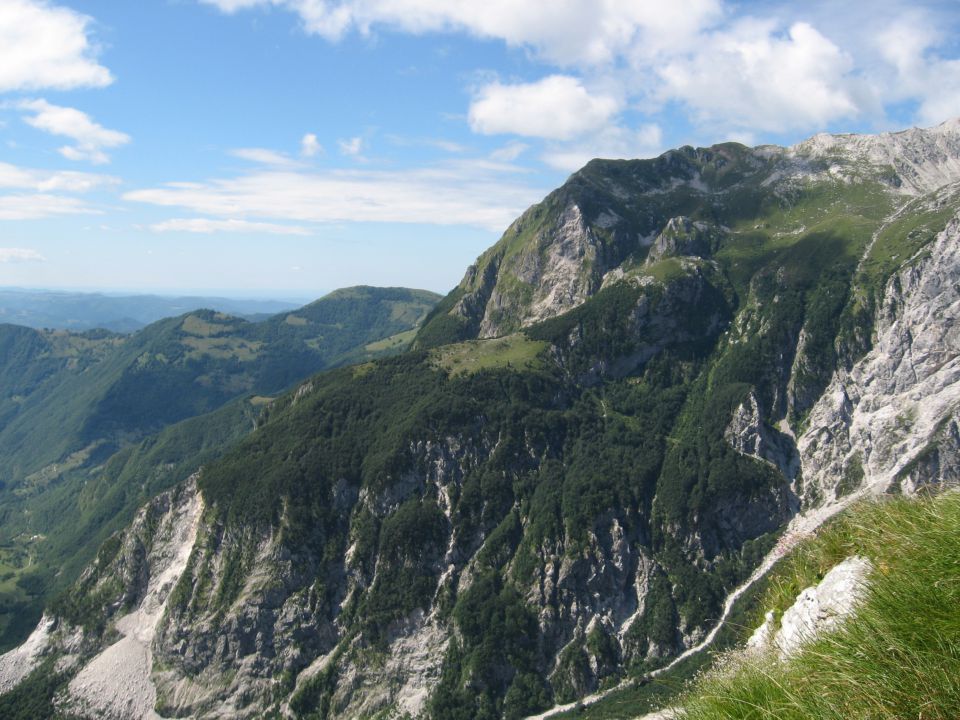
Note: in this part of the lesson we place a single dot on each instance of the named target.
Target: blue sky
(288, 147)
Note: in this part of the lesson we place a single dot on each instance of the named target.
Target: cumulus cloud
(557, 107)
(478, 193)
(753, 77)
(310, 146)
(91, 138)
(737, 69)
(19, 255)
(911, 67)
(43, 45)
(564, 33)
(209, 226)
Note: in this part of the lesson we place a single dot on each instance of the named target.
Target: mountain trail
(801, 527)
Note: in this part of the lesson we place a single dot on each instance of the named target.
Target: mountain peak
(923, 159)
(614, 216)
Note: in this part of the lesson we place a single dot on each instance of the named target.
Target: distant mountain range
(119, 313)
(94, 423)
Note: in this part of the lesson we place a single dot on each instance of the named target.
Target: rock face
(117, 682)
(20, 662)
(890, 422)
(127, 589)
(557, 271)
(817, 610)
(683, 236)
(919, 161)
(749, 435)
(556, 254)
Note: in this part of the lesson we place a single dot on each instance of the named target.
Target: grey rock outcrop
(557, 270)
(112, 668)
(750, 435)
(919, 161)
(894, 413)
(683, 237)
(817, 610)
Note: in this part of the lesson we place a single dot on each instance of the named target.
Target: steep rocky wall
(890, 422)
(102, 634)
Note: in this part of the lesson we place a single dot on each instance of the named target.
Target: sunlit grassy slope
(899, 657)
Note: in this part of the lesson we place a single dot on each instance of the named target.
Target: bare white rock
(924, 159)
(817, 610)
(881, 415)
(20, 662)
(117, 682)
(762, 637)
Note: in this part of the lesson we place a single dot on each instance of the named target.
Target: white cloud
(910, 67)
(40, 192)
(91, 138)
(944, 103)
(736, 69)
(557, 107)
(13, 177)
(231, 6)
(753, 77)
(263, 156)
(208, 226)
(610, 143)
(479, 193)
(566, 33)
(509, 152)
(447, 146)
(43, 45)
(310, 146)
(19, 255)
(41, 205)
(351, 146)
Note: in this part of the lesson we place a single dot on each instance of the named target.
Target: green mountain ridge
(75, 406)
(661, 376)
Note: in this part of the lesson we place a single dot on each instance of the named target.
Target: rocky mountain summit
(612, 213)
(660, 376)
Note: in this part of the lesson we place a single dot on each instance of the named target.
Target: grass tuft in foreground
(899, 657)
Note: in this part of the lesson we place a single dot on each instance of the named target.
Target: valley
(94, 424)
(587, 469)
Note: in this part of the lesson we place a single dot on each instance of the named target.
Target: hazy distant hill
(80, 414)
(120, 313)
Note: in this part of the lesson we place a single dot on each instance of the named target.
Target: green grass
(215, 325)
(898, 241)
(666, 270)
(394, 342)
(222, 348)
(899, 657)
(516, 351)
